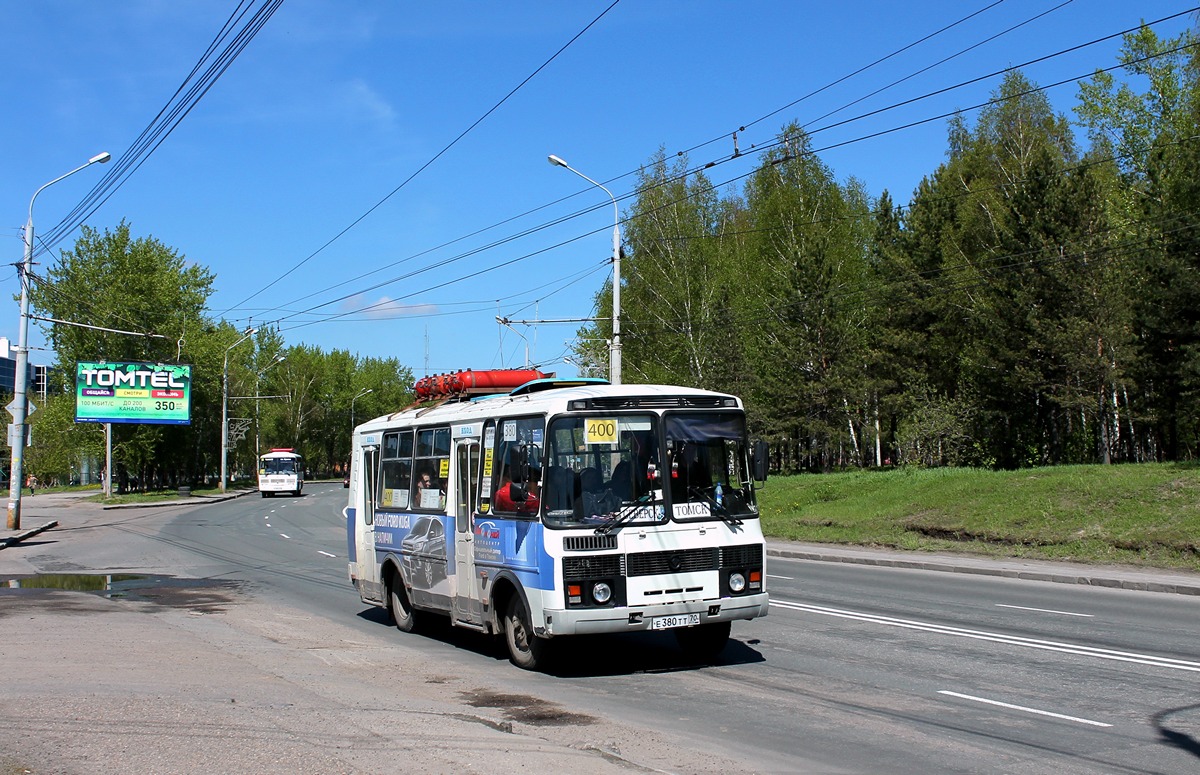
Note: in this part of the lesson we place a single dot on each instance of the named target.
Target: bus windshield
(279, 465)
(602, 468)
(708, 471)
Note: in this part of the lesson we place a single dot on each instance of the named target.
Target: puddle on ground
(524, 708)
(199, 595)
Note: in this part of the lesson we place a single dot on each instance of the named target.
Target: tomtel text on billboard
(151, 393)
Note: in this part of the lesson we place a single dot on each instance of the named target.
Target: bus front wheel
(402, 613)
(525, 650)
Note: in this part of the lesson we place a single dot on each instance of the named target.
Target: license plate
(669, 622)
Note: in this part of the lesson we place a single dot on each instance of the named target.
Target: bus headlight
(601, 592)
(737, 583)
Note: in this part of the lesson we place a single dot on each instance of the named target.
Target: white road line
(785, 578)
(1043, 610)
(1026, 710)
(285, 535)
(995, 637)
(327, 554)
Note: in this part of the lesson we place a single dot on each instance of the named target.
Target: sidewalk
(50, 510)
(1116, 576)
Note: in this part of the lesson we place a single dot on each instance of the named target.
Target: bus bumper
(591, 621)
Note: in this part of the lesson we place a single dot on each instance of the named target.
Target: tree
(808, 273)
(1154, 134)
(111, 280)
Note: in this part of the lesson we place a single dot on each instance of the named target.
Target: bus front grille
(677, 561)
(593, 567)
(590, 543)
(746, 556)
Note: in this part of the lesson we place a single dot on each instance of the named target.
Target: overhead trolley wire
(777, 143)
(428, 163)
(210, 68)
(612, 180)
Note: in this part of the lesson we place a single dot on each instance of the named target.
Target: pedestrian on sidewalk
(32, 482)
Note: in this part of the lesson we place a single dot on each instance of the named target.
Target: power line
(942, 116)
(210, 69)
(777, 143)
(590, 209)
(435, 157)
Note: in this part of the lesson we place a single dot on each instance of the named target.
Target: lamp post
(277, 359)
(225, 405)
(361, 393)
(614, 349)
(19, 403)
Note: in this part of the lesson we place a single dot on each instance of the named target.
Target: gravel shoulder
(211, 679)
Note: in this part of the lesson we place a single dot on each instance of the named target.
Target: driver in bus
(514, 497)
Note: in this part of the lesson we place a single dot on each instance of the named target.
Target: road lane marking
(1044, 610)
(1025, 709)
(285, 535)
(995, 637)
(327, 554)
(785, 578)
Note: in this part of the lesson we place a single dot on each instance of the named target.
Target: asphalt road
(857, 669)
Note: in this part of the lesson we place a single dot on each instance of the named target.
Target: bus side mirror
(762, 457)
(520, 464)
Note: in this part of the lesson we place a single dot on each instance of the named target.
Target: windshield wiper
(718, 509)
(627, 513)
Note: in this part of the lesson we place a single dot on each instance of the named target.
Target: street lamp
(361, 393)
(257, 377)
(19, 404)
(225, 405)
(614, 350)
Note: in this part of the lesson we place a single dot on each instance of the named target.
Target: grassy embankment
(1128, 514)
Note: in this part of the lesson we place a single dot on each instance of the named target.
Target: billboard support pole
(107, 460)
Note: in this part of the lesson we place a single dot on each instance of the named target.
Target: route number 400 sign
(599, 430)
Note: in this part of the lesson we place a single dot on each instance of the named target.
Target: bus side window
(432, 465)
(396, 470)
(518, 465)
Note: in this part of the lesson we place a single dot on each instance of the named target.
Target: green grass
(1145, 514)
(158, 496)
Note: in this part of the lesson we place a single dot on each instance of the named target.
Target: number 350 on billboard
(149, 393)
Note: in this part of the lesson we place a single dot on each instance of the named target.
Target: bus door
(466, 586)
(364, 499)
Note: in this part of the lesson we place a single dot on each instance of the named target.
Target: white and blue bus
(561, 508)
(281, 470)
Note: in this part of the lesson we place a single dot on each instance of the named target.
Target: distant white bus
(281, 470)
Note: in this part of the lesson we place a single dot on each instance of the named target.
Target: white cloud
(359, 100)
(385, 308)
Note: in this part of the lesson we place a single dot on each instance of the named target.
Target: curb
(13, 539)
(947, 565)
(194, 500)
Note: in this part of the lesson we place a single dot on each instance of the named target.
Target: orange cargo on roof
(471, 381)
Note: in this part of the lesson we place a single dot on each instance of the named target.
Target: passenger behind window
(622, 481)
(559, 492)
(514, 497)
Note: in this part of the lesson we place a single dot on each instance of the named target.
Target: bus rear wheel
(525, 650)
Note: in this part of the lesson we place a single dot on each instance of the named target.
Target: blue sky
(334, 105)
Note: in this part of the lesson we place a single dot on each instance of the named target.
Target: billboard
(149, 393)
